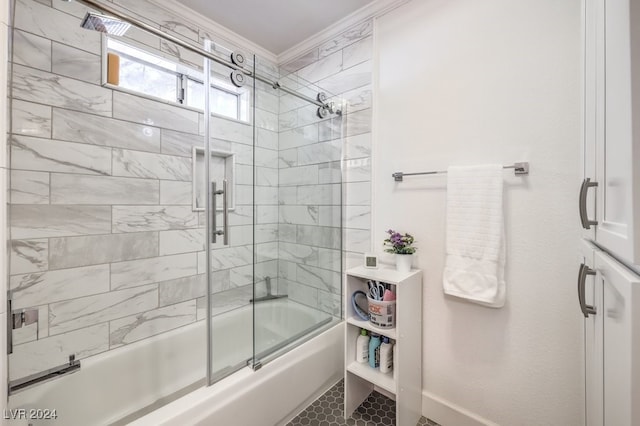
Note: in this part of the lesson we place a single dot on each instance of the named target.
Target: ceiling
(276, 25)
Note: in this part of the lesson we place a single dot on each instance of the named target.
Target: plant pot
(403, 262)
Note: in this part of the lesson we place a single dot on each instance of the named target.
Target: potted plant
(401, 246)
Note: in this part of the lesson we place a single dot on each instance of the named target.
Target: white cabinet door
(618, 129)
(593, 337)
(621, 332)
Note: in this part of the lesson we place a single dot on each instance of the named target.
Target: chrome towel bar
(519, 170)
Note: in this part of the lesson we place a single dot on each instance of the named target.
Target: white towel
(474, 267)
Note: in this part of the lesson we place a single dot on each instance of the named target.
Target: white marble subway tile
(76, 63)
(357, 170)
(266, 252)
(31, 50)
(287, 270)
(306, 175)
(265, 176)
(266, 120)
(308, 114)
(69, 252)
(357, 52)
(265, 158)
(138, 35)
(289, 102)
(42, 221)
(265, 233)
(298, 253)
(83, 312)
(298, 137)
(357, 217)
(83, 189)
(241, 276)
(179, 54)
(150, 11)
(266, 269)
(230, 257)
(319, 278)
(34, 85)
(40, 355)
(154, 113)
(96, 130)
(324, 67)
(176, 192)
(288, 194)
(158, 218)
(30, 119)
(288, 158)
(320, 236)
(330, 129)
(76, 9)
(39, 288)
(44, 21)
(180, 143)
(329, 216)
(152, 166)
(357, 240)
(330, 303)
(358, 99)
(299, 215)
(350, 36)
(231, 130)
(299, 62)
(181, 241)
(287, 232)
(330, 259)
(357, 193)
(288, 120)
(357, 123)
(137, 327)
(50, 155)
(348, 79)
(182, 289)
(133, 273)
(266, 214)
(243, 194)
(330, 172)
(301, 293)
(267, 139)
(320, 153)
(268, 101)
(318, 195)
(231, 299)
(28, 256)
(29, 187)
(358, 146)
(265, 195)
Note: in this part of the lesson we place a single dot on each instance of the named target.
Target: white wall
(468, 82)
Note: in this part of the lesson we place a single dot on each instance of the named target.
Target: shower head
(104, 24)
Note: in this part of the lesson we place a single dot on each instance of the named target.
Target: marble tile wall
(322, 162)
(5, 28)
(105, 242)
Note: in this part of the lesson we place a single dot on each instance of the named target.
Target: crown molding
(216, 29)
(372, 10)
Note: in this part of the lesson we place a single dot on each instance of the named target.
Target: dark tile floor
(376, 410)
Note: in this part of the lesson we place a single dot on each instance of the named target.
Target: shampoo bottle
(386, 356)
(362, 346)
(374, 350)
(395, 357)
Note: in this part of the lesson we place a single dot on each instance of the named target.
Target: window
(142, 72)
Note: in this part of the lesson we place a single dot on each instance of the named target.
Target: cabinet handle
(582, 277)
(582, 203)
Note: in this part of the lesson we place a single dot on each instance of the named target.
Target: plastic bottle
(374, 350)
(362, 346)
(395, 357)
(386, 356)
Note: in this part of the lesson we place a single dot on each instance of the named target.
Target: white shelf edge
(388, 332)
(383, 273)
(383, 380)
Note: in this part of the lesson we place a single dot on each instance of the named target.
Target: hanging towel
(474, 267)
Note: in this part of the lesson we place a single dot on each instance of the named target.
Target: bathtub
(133, 384)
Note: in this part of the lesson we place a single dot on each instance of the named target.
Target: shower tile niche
(222, 167)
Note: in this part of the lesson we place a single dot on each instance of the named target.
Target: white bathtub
(119, 384)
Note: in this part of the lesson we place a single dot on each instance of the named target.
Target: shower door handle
(214, 208)
(225, 212)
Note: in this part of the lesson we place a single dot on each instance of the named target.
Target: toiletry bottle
(395, 357)
(362, 346)
(374, 350)
(386, 356)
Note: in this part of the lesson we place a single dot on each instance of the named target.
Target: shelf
(383, 380)
(389, 332)
(384, 273)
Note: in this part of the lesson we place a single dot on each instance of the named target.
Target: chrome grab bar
(582, 277)
(582, 203)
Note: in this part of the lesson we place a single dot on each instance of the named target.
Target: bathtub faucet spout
(269, 295)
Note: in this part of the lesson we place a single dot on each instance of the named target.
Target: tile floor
(376, 410)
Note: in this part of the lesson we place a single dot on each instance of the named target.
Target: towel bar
(519, 170)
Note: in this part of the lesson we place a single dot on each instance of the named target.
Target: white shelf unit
(360, 379)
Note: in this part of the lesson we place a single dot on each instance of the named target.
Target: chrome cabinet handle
(214, 226)
(582, 277)
(582, 203)
(225, 212)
